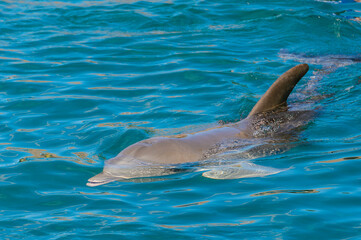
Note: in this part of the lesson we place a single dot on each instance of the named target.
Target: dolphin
(159, 156)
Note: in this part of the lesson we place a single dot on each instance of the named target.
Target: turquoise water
(82, 80)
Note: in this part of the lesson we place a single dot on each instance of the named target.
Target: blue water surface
(82, 80)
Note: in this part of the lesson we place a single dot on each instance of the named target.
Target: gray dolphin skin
(216, 149)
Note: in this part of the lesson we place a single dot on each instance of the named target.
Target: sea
(80, 80)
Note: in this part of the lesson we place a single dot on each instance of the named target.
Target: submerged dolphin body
(160, 156)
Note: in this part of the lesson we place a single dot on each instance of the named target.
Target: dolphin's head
(138, 160)
(114, 169)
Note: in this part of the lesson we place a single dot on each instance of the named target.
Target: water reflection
(340, 159)
(43, 155)
(102, 194)
(33, 81)
(120, 219)
(273, 192)
(191, 204)
(28, 130)
(183, 227)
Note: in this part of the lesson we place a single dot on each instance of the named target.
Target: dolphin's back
(278, 93)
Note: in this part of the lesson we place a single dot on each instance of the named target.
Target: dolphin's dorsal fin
(278, 93)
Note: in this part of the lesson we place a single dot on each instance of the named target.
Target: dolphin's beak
(100, 179)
